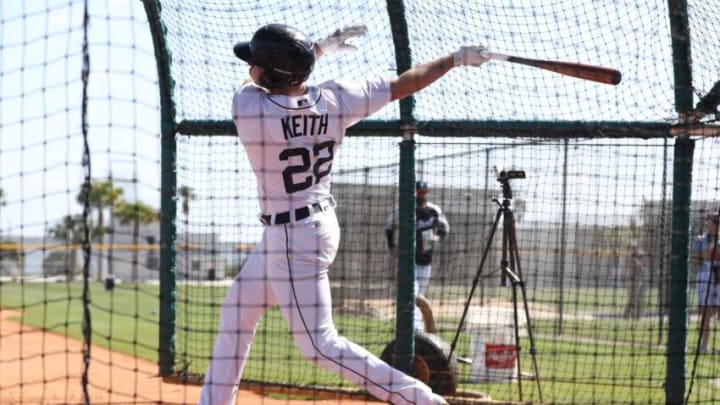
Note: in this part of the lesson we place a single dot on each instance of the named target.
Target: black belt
(300, 213)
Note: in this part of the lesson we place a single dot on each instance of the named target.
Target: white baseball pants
(289, 267)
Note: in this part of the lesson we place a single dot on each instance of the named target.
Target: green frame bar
(471, 129)
(682, 61)
(405, 300)
(675, 376)
(168, 190)
(678, 301)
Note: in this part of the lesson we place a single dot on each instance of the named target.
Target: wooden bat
(588, 72)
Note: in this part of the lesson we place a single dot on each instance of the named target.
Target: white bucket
(492, 340)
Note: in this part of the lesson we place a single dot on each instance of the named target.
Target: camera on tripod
(510, 269)
(505, 175)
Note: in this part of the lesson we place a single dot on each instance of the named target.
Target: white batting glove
(336, 41)
(470, 55)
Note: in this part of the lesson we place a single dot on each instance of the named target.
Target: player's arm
(390, 225)
(421, 76)
(443, 225)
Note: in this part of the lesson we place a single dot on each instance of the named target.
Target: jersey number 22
(305, 164)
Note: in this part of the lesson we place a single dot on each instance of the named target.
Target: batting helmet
(421, 187)
(286, 54)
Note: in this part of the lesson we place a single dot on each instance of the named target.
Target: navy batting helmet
(286, 54)
(421, 187)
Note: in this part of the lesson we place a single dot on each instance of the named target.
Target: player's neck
(298, 90)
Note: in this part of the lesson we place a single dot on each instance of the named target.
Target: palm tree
(10, 250)
(69, 230)
(102, 195)
(186, 194)
(136, 213)
(2, 204)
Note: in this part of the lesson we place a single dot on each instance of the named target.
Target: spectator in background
(430, 228)
(705, 257)
(635, 282)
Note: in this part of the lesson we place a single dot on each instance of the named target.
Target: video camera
(505, 175)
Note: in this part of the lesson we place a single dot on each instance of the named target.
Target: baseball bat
(594, 73)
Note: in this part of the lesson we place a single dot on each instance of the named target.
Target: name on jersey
(304, 125)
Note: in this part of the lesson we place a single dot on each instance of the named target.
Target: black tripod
(510, 269)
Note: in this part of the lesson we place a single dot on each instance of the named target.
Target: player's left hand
(470, 55)
(336, 41)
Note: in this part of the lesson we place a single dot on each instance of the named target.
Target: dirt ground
(38, 367)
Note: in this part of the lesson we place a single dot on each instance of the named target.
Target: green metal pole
(678, 308)
(682, 184)
(405, 300)
(168, 190)
(682, 61)
(405, 330)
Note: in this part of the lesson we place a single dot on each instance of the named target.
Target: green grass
(602, 360)
(125, 319)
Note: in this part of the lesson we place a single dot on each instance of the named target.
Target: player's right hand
(337, 40)
(470, 55)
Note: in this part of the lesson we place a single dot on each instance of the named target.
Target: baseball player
(292, 132)
(708, 277)
(431, 226)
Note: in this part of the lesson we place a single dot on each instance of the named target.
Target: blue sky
(40, 86)
(40, 114)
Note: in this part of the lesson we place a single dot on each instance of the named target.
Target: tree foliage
(128, 213)
(186, 195)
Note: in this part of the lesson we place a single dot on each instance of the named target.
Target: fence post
(405, 331)
(682, 181)
(168, 190)
(678, 314)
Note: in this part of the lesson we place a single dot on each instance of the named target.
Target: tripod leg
(533, 349)
(504, 261)
(517, 339)
(515, 260)
(488, 245)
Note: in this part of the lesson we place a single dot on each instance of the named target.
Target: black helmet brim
(242, 51)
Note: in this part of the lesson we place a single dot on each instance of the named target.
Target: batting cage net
(566, 253)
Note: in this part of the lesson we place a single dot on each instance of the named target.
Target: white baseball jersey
(291, 141)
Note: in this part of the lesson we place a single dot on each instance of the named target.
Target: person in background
(635, 282)
(431, 227)
(705, 256)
